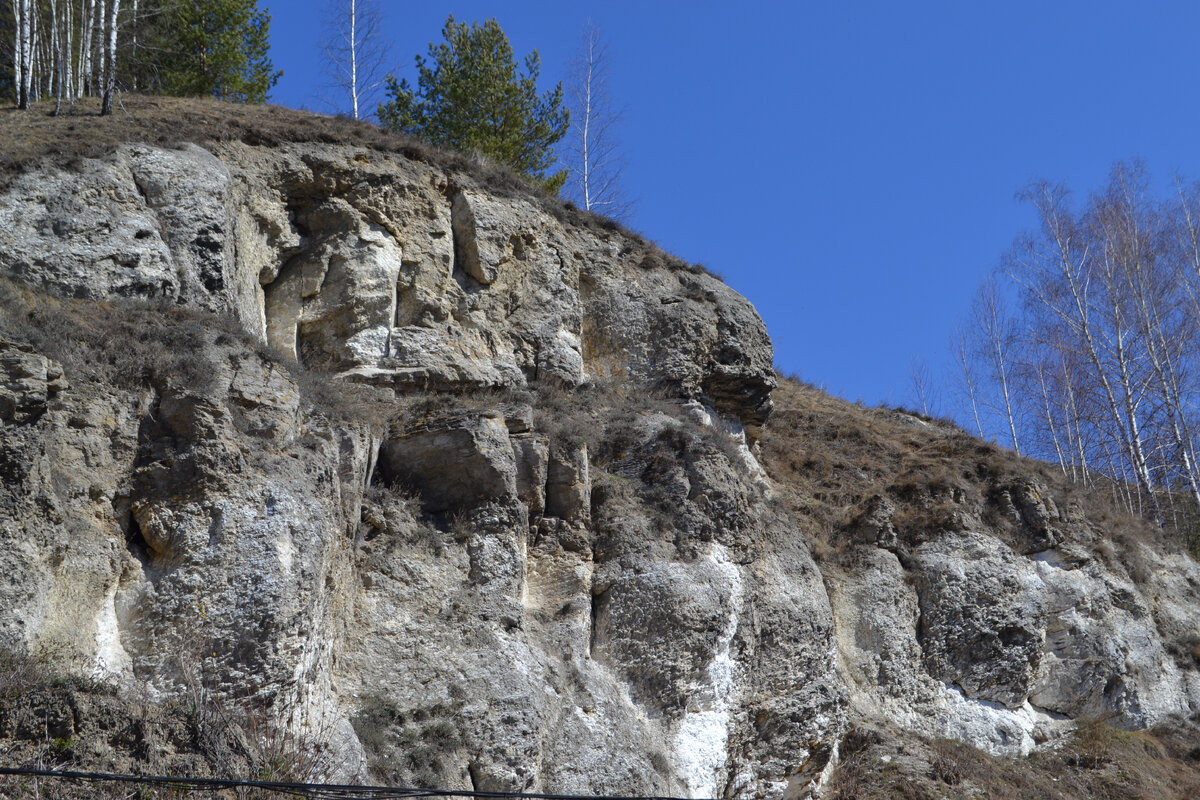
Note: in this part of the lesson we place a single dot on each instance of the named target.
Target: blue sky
(850, 167)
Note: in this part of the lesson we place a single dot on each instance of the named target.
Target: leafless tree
(922, 384)
(1112, 327)
(110, 74)
(967, 375)
(591, 152)
(67, 49)
(98, 46)
(355, 52)
(993, 340)
(23, 43)
(86, 57)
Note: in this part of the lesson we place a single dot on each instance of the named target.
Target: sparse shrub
(19, 674)
(409, 747)
(1105, 549)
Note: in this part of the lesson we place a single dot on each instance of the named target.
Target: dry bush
(62, 721)
(414, 747)
(121, 342)
(341, 400)
(20, 674)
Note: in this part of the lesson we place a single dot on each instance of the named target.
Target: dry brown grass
(158, 120)
(37, 133)
(132, 345)
(830, 459)
(1097, 761)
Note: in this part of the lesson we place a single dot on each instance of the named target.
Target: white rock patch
(111, 658)
(704, 732)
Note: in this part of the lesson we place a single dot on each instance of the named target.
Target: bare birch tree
(98, 45)
(591, 151)
(110, 74)
(84, 73)
(355, 52)
(1105, 379)
(1154, 288)
(922, 384)
(23, 51)
(968, 377)
(993, 340)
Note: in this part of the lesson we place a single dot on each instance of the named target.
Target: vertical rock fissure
(469, 267)
(457, 233)
(595, 611)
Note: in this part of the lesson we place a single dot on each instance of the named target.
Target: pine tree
(470, 98)
(218, 48)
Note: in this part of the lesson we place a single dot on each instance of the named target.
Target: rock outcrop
(568, 588)
(467, 495)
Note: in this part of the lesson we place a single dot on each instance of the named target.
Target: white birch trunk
(110, 75)
(16, 48)
(24, 68)
(56, 33)
(1047, 410)
(586, 130)
(85, 48)
(354, 56)
(34, 75)
(101, 18)
(1075, 422)
(133, 45)
(959, 346)
(71, 70)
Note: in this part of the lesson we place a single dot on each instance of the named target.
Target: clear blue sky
(848, 166)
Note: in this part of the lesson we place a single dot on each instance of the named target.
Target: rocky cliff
(457, 487)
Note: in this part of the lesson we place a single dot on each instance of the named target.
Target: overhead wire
(319, 791)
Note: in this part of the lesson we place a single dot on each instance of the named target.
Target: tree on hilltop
(470, 97)
(216, 48)
(67, 49)
(355, 52)
(591, 151)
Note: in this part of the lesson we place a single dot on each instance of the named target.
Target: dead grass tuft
(1097, 761)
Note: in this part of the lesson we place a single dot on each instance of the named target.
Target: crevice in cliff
(465, 268)
(596, 598)
(373, 445)
(136, 543)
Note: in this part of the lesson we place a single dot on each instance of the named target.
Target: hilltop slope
(380, 450)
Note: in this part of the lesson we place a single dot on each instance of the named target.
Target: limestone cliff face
(468, 495)
(553, 554)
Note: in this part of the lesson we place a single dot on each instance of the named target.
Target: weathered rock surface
(460, 578)
(1000, 636)
(472, 498)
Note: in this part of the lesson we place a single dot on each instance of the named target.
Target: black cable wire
(313, 790)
